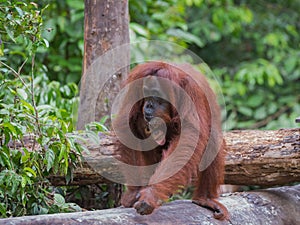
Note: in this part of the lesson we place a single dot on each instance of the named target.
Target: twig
(21, 67)
(17, 74)
(271, 117)
(37, 121)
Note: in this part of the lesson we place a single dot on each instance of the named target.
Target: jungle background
(252, 47)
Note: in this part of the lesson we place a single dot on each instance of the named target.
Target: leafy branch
(24, 186)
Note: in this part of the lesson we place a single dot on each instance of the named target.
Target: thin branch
(37, 121)
(272, 117)
(269, 118)
(21, 67)
(17, 74)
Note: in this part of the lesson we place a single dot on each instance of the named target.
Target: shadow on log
(274, 206)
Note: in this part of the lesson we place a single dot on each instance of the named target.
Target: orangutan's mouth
(156, 131)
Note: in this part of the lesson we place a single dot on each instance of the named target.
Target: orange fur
(146, 198)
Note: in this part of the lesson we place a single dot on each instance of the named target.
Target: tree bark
(264, 158)
(274, 206)
(106, 57)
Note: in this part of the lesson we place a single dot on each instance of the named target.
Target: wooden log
(276, 206)
(265, 158)
(254, 157)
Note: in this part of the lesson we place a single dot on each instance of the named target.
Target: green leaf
(10, 33)
(59, 200)
(28, 106)
(242, 89)
(245, 111)
(20, 11)
(189, 2)
(260, 113)
(273, 75)
(217, 19)
(64, 127)
(247, 15)
(23, 182)
(92, 137)
(44, 110)
(50, 130)
(97, 126)
(22, 93)
(3, 210)
(290, 63)
(46, 42)
(25, 156)
(66, 163)
(15, 184)
(1, 48)
(272, 108)
(139, 29)
(5, 160)
(288, 99)
(4, 112)
(50, 158)
(255, 100)
(189, 37)
(272, 39)
(11, 128)
(30, 172)
(76, 4)
(103, 119)
(62, 152)
(101, 127)
(242, 74)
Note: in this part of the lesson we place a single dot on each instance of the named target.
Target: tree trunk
(106, 57)
(274, 206)
(254, 157)
(105, 62)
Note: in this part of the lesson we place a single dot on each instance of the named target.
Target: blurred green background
(251, 46)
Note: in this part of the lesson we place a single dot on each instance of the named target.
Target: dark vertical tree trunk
(105, 63)
(106, 58)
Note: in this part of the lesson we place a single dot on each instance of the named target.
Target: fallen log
(274, 206)
(265, 158)
(255, 157)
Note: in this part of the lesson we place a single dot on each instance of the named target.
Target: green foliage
(257, 63)
(35, 118)
(161, 20)
(63, 28)
(252, 47)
